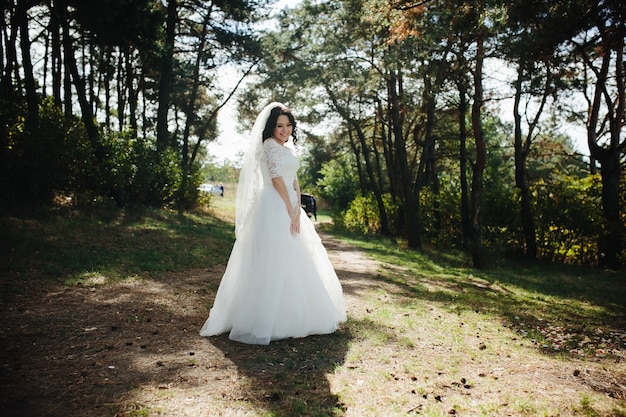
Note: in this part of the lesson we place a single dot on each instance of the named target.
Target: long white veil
(250, 177)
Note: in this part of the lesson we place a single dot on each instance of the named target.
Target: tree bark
(478, 250)
(71, 68)
(465, 207)
(610, 241)
(427, 170)
(56, 60)
(166, 80)
(382, 212)
(521, 173)
(132, 92)
(10, 66)
(32, 101)
(411, 208)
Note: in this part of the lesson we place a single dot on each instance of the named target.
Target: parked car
(212, 189)
(308, 203)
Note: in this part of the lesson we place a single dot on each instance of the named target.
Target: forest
(438, 123)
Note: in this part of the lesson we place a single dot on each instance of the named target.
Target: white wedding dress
(276, 284)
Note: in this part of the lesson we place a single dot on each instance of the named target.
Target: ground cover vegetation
(402, 109)
(100, 312)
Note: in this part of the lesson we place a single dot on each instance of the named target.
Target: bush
(363, 216)
(569, 219)
(338, 185)
(32, 156)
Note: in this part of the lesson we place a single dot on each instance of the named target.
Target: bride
(279, 282)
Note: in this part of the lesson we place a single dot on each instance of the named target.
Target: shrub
(363, 216)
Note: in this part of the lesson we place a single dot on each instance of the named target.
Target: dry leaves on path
(131, 348)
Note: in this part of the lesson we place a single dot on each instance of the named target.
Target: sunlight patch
(88, 279)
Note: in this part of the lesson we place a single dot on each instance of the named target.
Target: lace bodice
(278, 161)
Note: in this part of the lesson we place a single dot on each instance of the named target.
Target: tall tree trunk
(427, 170)
(610, 242)
(378, 168)
(382, 212)
(386, 140)
(478, 250)
(11, 67)
(190, 111)
(89, 63)
(410, 199)
(144, 103)
(106, 59)
(61, 16)
(56, 61)
(522, 150)
(132, 92)
(166, 80)
(46, 63)
(32, 101)
(357, 156)
(79, 84)
(521, 172)
(121, 91)
(465, 207)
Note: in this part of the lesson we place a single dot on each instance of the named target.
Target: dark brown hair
(268, 132)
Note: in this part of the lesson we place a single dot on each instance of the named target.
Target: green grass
(94, 246)
(430, 334)
(536, 295)
(433, 326)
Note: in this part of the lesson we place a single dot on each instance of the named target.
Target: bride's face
(283, 128)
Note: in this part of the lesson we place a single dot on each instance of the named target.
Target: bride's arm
(279, 185)
(294, 212)
(296, 186)
(272, 150)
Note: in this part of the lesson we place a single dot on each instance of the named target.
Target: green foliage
(445, 229)
(58, 158)
(188, 197)
(363, 216)
(130, 171)
(33, 157)
(569, 218)
(339, 184)
(500, 207)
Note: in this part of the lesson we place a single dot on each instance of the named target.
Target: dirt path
(121, 348)
(132, 348)
(354, 269)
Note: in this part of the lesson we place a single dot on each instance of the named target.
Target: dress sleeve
(272, 152)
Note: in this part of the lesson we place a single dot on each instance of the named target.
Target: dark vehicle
(309, 205)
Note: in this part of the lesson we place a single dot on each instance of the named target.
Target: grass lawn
(518, 339)
(100, 311)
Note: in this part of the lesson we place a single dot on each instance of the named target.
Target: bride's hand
(294, 226)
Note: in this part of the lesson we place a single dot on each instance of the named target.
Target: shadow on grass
(129, 350)
(588, 295)
(289, 377)
(132, 348)
(73, 351)
(122, 339)
(576, 303)
(77, 245)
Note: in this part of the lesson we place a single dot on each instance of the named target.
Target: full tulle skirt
(277, 284)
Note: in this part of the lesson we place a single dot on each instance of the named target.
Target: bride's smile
(283, 128)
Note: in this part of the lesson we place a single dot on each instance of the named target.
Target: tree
(113, 58)
(166, 78)
(601, 48)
